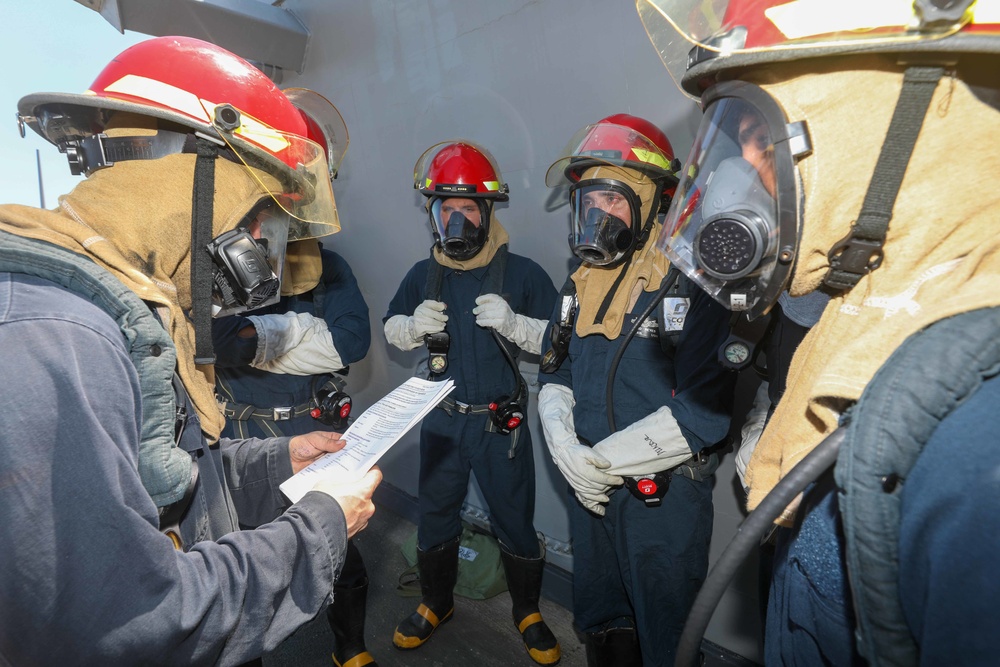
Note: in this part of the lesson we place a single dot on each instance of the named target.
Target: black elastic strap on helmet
(97, 151)
(860, 252)
(202, 213)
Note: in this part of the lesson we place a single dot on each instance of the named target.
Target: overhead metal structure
(258, 31)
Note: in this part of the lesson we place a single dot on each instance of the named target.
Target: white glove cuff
(400, 332)
(528, 333)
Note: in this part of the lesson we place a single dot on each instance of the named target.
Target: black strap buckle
(851, 259)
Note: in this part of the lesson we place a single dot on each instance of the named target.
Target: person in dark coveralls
(641, 553)
(279, 369)
(120, 510)
(467, 300)
(875, 185)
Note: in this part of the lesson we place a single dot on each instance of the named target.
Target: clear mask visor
(723, 227)
(461, 224)
(604, 217)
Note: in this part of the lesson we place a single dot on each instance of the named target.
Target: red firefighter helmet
(620, 140)
(202, 87)
(697, 39)
(459, 169)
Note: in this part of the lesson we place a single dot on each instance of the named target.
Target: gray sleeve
(254, 470)
(86, 577)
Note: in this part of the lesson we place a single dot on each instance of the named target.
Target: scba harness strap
(329, 405)
(666, 324)
(506, 413)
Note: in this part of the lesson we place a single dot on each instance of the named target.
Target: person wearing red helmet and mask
(875, 187)
(122, 507)
(281, 369)
(475, 306)
(639, 554)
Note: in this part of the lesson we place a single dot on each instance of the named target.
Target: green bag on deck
(480, 569)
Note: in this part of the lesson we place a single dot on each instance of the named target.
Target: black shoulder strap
(680, 287)
(493, 282)
(435, 274)
(318, 293)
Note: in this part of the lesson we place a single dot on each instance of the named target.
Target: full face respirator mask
(733, 225)
(601, 236)
(247, 262)
(459, 237)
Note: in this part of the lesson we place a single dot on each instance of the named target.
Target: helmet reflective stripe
(161, 93)
(651, 157)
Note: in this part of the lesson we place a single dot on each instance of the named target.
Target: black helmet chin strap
(202, 213)
(860, 252)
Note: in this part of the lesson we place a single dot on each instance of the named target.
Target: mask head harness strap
(860, 252)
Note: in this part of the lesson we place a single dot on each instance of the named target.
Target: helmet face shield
(686, 32)
(459, 168)
(299, 164)
(326, 125)
(613, 144)
(733, 223)
(605, 219)
(461, 225)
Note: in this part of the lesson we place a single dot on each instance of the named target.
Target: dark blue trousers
(452, 446)
(641, 565)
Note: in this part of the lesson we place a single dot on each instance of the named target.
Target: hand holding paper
(306, 448)
(354, 498)
(375, 431)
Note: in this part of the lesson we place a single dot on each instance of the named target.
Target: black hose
(609, 389)
(747, 538)
(521, 387)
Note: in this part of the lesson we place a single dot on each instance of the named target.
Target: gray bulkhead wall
(520, 77)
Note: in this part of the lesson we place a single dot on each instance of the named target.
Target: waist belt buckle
(282, 414)
(650, 489)
(462, 408)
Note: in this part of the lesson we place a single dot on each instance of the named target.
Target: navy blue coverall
(452, 445)
(639, 564)
(345, 311)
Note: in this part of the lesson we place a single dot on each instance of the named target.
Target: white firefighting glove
(752, 428)
(652, 444)
(278, 334)
(493, 312)
(582, 467)
(407, 331)
(315, 354)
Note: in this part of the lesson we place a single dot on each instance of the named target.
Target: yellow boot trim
(406, 641)
(529, 620)
(549, 657)
(360, 660)
(428, 614)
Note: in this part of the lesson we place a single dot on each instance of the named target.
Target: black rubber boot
(347, 620)
(438, 568)
(617, 647)
(524, 581)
